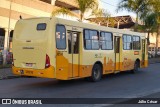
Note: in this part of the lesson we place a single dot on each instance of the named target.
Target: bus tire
(96, 73)
(136, 67)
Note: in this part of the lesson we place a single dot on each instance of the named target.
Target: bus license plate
(22, 72)
(29, 64)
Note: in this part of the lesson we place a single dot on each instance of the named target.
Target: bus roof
(98, 27)
(90, 26)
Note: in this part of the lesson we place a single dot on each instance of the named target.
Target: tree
(156, 11)
(101, 15)
(151, 16)
(150, 24)
(107, 17)
(84, 6)
(63, 11)
(135, 6)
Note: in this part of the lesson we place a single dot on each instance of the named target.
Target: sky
(111, 6)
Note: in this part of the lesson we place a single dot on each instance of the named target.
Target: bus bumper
(44, 73)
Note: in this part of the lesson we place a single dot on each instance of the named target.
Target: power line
(108, 3)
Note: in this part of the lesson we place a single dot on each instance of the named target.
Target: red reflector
(47, 65)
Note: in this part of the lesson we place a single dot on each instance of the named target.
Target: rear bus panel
(31, 45)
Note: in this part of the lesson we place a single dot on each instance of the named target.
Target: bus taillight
(12, 59)
(47, 65)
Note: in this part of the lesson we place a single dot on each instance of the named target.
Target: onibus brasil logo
(20, 101)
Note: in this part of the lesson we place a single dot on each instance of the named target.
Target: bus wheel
(136, 67)
(96, 73)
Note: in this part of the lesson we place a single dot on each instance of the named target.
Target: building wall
(152, 45)
(25, 8)
(152, 37)
(10, 12)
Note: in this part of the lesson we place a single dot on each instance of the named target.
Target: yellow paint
(127, 64)
(144, 63)
(45, 73)
(108, 66)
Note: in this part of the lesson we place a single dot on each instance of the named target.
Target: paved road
(122, 85)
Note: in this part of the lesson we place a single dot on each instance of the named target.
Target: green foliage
(136, 6)
(63, 11)
(151, 17)
(84, 6)
(100, 13)
(151, 22)
(130, 5)
(97, 13)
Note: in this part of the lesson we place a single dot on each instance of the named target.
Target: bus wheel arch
(97, 71)
(136, 66)
(138, 61)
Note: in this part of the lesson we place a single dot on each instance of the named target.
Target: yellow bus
(64, 50)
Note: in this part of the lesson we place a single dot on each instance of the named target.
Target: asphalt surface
(122, 85)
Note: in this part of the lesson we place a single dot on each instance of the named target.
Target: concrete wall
(11, 10)
(152, 37)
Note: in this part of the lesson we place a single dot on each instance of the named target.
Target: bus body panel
(45, 73)
(67, 65)
(29, 44)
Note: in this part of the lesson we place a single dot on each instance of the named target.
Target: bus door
(117, 52)
(73, 53)
(143, 51)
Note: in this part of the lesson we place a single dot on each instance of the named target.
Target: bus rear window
(41, 26)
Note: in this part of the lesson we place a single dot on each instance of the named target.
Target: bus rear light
(47, 65)
(12, 59)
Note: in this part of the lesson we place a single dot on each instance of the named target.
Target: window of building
(91, 39)
(127, 42)
(106, 39)
(152, 48)
(149, 49)
(60, 37)
(136, 43)
(2, 36)
(1, 41)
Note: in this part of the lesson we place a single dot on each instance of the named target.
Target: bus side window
(60, 37)
(136, 43)
(127, 42)
(91, 39)
(106, 39)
